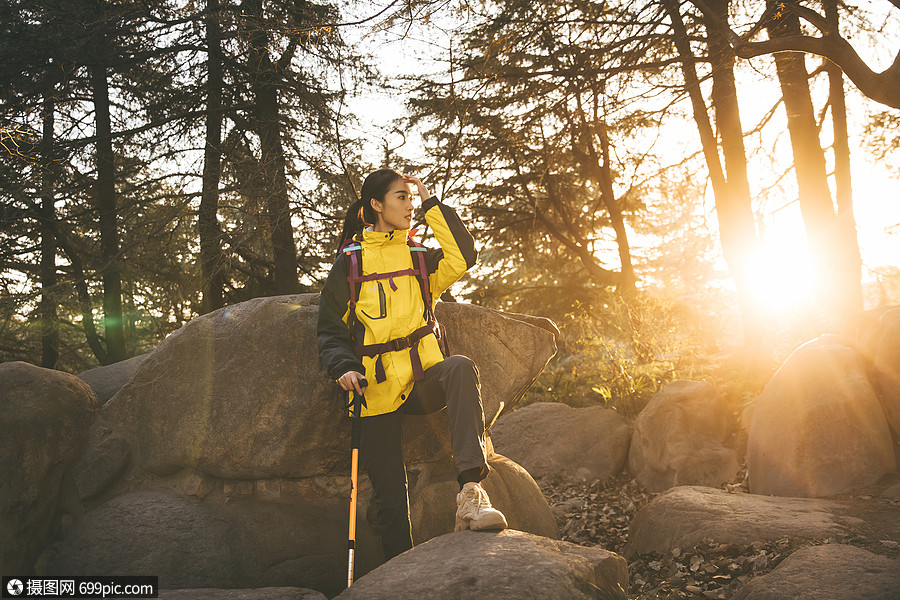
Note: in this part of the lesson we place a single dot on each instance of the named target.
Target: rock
(239, 393)
(240, 469)
(679, 438)
(684, 516)
(283, 593)
(249, 536)
(542, 322)
(109, 379)
(45, 417)
(829, 571)
(269, 593)
(511, 352)
(239, 544)
(892, 492)
(885, 349)
(198, 484)
(818, 429)
(251, 540)
(101, 465)
(497, 565)
(551, 439)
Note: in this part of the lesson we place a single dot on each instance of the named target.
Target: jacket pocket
(382, 305)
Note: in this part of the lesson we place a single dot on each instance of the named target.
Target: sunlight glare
(781, 277)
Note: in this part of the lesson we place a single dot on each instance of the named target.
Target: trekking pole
(358, 401)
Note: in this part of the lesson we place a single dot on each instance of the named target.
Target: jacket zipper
(382, 304)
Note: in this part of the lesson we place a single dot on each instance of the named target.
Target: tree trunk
(211, 263)
(105, 203)
(49, 318)
(737, 231)
(816, 205)
(851, 263)
(61, 236)
(735, 213)
(599, 167)
(614, 208)
(272, 162)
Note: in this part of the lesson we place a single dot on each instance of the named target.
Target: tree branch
(814, 18)
(882, 87)
(597, 273)
(156, 123)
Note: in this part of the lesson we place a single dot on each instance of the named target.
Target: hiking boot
(474, 510)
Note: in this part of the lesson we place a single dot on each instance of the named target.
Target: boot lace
(479, 497)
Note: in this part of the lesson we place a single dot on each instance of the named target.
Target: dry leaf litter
(598, 513)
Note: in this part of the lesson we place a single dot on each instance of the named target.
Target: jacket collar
(378, 238)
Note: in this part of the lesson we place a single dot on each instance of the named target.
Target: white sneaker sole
(493, 521)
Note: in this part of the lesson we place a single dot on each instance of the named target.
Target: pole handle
(359, 399)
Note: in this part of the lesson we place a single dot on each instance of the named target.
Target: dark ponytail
(361, 212)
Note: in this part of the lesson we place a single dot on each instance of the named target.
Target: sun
(781, 276)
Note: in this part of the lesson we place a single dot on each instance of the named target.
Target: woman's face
(396, 210)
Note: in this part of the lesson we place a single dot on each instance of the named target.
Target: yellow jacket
(384, 314)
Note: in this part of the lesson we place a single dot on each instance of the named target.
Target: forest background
(688, 189)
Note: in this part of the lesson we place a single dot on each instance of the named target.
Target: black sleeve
(335, 344)
(433, 256)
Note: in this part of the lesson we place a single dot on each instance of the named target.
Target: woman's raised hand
(423, 191)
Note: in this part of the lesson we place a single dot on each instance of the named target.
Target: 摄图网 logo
(15, 587)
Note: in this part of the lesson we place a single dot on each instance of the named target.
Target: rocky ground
(599, 513)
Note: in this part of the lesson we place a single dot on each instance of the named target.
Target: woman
(387, 332)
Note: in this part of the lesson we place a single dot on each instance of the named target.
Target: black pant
(452, 383)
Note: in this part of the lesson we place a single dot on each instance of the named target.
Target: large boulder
(237, 394)
(884, 346)
(684, 516)
(509, 565)
(679, 438)
(45, 417)
(818, 428)
(828, 571)
(248, 542)
(105, 460)
(553, 440)
(240, 394)
(239, 448)
(109, 379)
(197, 531)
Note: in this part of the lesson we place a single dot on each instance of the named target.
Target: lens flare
(781, 277)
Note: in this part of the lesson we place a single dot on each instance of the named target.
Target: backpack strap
(389, 276)
(410, 341)
(418, 251)
(353, 250)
